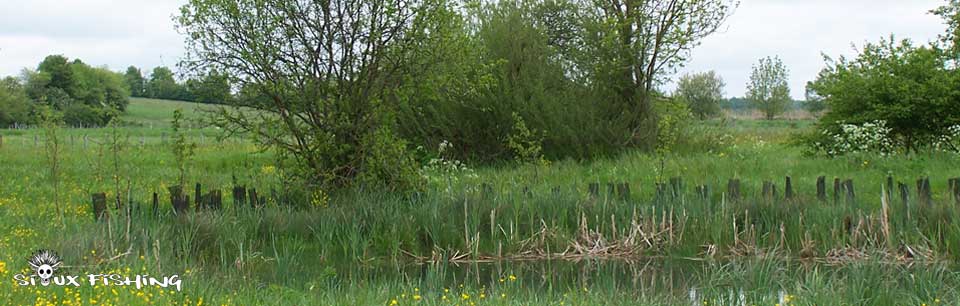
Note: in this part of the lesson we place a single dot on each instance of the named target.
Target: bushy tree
(702, 92)
(632, 46)
(84, 95)
(135, 81)
(331, 70)
(910, 88)
(211, 88)
(15, 105)
(163, 85)
(768, 89)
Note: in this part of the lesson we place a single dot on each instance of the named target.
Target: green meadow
(493, 235)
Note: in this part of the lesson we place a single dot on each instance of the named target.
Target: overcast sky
(140, 32)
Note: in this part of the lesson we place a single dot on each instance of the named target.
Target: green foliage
(332, 116)
(910, 88)
(85, 95)
(702, 92)
(135, 82)
(163, 85)
(674, 122)
(15, 105)
(211, 88)
(183, 149)
(768, 89)
(527, 145)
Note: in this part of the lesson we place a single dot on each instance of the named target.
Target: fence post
(905, 198)
(923, 192)
(822, 189)
(836, 190)
(100, 206)
(733, 189)
(156, 204)
(676, 187)
(851, 195)
(623, 191)
(788, 188)
(594, 190)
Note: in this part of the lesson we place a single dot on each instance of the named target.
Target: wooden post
(254, 201)
(594, 190)
(555, 191)
(100, 206)
(787, 188)
(954, 189)
(197, 198)
(733, 189)
(889, 189)
(676, 187)
(822, 189)
(703, 191)
(851, 195)
(766, 191)
(1, 141)
(179, 200)
(623, 191)
(836, 190)
(611, 190)
(156, 204)
(239, 196)
(905, 198)
(661, 192)
(923, 192)
(527, 192)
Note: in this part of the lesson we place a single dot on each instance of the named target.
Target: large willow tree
(326, 71)
(635, 45)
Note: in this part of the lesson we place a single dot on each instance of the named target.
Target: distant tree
(912, 89)
(15, 105)
(702, 92)
(135, 81)
(212, 88)
(163, 85)
(58, 71)
(768, 89)
(83, 95)
(813, 102)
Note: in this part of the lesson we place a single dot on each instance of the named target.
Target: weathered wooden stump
(100, 206)
(239, 196)
(156, 204)
(769, 191)
(594, 190)
(198, 198)
(676, 187)
(849, 191)
(733, 189)
(787, 188)
(179, 200)
(924, 195)
(904, 198)
(822, 189)
(837, 190)
(703, 192)
(254, 200)
(623, 191)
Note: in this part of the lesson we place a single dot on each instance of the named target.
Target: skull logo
(45, 262)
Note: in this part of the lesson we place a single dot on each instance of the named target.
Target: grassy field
(509, 235)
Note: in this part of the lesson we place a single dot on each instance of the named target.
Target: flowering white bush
(950, 141)
(869, 137)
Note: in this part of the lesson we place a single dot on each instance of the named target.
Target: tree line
(212, 87)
